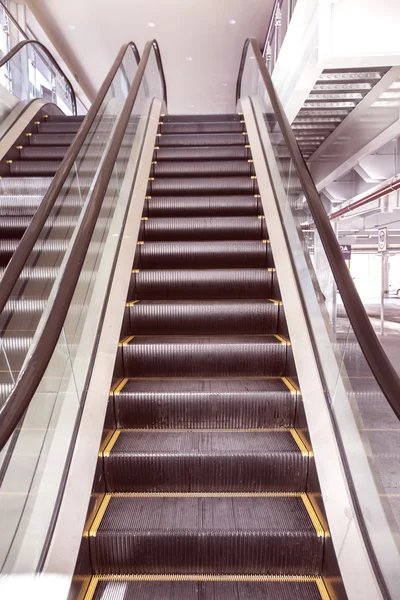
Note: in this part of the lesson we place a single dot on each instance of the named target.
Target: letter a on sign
(382, 239)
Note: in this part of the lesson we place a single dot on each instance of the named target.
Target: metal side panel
(352, 556)
(66, 540)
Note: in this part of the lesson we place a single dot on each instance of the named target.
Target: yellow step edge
(107, 450)
(145, 218)
(266, 242)
(90, 518)
(290, 385)
(276, 302)
(313, 516)
(125, 341)
(19, 147)
(140, 243)
(323, 590)
(85, 582)
(271, 269)
(282, 339)
(121, 386)
(303, 447)
(209, 495)
(90, 589)
(208, 430)
(99, 515)
(211, 577)
(132, 303)
(106, 441)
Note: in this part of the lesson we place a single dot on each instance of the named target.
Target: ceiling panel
(201, 42)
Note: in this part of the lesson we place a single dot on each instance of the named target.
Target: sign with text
(382, 239)
(346, 251)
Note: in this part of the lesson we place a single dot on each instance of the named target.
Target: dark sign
(346, 251)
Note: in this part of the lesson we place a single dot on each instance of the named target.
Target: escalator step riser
(202, 168)
(178, 535)
(197, 118)
(202, 318)
(204, 229)
(205, 462)
(201, 206)
(178, 410)
(185, 359)
(20, 168)
(59, 127)
(185, 186)
(51, 139)
(201, 285)
(64, 118)
(205, 139)
(196, 128)
(207, 590)
(202, 153)
(203, 255)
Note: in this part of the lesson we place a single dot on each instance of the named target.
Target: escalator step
(51, 139)
(269, 534)
(184, 186)
(202, 168)
(26, 186)
(64, 118)
(203, 152)
(202, 127)
(204, 229)
(202, 284)
(197, 118)
(204, 403)
(200, 255)
(283, 589)
(205, 356)
(43, 153)
(200, 206)
(203, 318)
(59, 127)
(29, 168)
(205, 139)
(205, 461)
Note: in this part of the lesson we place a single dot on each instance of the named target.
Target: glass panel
(369, 430)
(55, 408)
(276, 34)
(31, 74)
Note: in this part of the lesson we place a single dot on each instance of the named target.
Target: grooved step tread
(231, 534)
(209, 461)
(120, 588)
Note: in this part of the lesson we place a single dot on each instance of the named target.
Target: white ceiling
(89, 33)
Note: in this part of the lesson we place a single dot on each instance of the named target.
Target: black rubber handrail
(41, 351)
(30, 237)
(380, 365)
(49, 55)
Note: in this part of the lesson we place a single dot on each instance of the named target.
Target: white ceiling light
(71, 27)
(232, 22)
(188, 58)
(151, 24)
(224, 84)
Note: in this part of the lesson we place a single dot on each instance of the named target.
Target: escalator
(227, 460)
(205, 469)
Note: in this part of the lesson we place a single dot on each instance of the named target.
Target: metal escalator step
(205, 461)
(204, 229)
(201, 255)
(205, 356)
(204, 403)
(31, 167)
(43, 152)
(51, 139)
(65, 118)
(202, 168)
(184, 186)
(281, 589)
(206, 317)
(51, 253)
(268, 534)
(59, 127)
(202, 127)
(202, 139)
(200, 206)
(14, 347)
(24, 186)
(203, 152)
(197, 118)
(200, 284)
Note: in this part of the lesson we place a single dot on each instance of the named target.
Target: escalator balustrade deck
(205, 474)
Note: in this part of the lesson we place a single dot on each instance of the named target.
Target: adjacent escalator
(205, 454)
